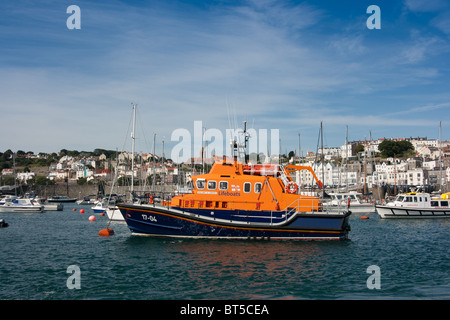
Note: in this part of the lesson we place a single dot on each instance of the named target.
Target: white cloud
(425, 5)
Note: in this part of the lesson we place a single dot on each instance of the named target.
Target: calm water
(413, 257)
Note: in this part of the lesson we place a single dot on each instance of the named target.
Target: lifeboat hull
(171, 222)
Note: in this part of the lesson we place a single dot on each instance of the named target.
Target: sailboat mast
(346, 158)
(133, 137)
(154, 164)
(323, 159)
(440, 156)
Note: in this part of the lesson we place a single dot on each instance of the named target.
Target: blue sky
(284, 65)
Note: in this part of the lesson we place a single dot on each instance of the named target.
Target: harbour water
(39, 249)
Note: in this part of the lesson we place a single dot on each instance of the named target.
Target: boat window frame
(250, 188)
(211, 181)
(220, 183)
(260, 187)
(200, 180)
(444, 203)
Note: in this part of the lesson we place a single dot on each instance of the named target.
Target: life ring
(150, 200)
(291, 187)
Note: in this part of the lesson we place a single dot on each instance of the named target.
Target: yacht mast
(133, 137)
(440, 156)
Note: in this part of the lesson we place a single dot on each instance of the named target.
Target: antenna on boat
(246, 136)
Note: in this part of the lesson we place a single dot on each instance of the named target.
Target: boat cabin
(419, 200)
(232, 186)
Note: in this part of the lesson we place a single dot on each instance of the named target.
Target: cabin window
(444, 203)
(247, 187)
(434, 203)
(223, 185)
(200, 183)
(408, 199)
(258, 186)
(212, 185)
(415, 199)
(209, 204)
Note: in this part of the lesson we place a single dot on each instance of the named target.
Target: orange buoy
(106, 232)
(74, 209)
(82, 211)
(102, 214)
(92, 218)
(364, 217)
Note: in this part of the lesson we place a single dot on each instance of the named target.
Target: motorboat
(351, 200)
(61, 199)
(415, 205)
(25, 205)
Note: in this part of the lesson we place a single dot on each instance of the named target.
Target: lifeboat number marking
(149, 218)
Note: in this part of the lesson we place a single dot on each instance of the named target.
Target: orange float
(106, 232)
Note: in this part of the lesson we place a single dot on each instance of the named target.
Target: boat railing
(296, 206)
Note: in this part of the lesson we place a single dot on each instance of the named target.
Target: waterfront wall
(80, 191)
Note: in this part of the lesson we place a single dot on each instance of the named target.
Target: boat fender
(364, 217)
(150, 200)
(291, 187)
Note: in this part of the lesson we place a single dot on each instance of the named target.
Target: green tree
(390, 148)
(43, 181)
(359, 148)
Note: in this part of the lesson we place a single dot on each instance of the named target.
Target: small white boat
(7, 198)
(53, 206)
(415, 205)
(22, 205)
(348, 200)
(114, 213)
(100, 207)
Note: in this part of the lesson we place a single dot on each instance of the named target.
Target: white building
(24, 176)
(415, 177)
